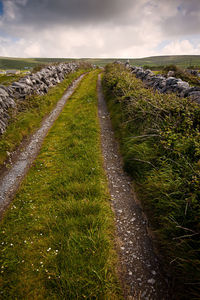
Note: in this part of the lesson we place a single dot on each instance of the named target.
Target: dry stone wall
(38, 83)
(166, 84)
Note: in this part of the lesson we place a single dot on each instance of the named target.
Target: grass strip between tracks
(57, 236)
(30, 114)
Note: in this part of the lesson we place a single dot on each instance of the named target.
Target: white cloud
(134, 31)
(184, 47)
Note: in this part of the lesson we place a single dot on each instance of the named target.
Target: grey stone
(3, 93)
(170, 74)
(38, 83)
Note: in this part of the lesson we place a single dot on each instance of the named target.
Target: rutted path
(140, 270)
(10, 182)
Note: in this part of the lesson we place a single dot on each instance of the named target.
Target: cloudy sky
(99, 28)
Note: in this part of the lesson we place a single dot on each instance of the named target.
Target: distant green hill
(180, 60)
(21, 63)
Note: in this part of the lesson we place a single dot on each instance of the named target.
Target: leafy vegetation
(8, 79)
(32, 111)
(160, 143)
(57, 237)
(183, 74)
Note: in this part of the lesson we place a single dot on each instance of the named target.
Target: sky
(99, 28)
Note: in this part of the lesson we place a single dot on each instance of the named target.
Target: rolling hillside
(180, 60)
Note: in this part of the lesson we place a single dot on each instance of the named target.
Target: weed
(160, 142)
(57, 237)
(29, 115)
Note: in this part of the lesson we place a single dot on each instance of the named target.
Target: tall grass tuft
(160, 143)
(57, 236)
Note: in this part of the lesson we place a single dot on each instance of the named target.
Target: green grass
(154, 61)
(57, 236)
(183, 74)
(160, 142)
(21, 63)
(8, 79)
(31, 113)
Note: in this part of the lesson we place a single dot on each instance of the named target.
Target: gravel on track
(11, 179)
(140, 271)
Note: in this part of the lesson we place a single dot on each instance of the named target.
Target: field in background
(179, 60)
(21, 63)
(154, 61)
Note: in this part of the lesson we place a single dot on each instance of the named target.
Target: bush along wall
(170, 83)
(38, 83)
(160, 143)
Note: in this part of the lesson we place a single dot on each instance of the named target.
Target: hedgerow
(160, 143)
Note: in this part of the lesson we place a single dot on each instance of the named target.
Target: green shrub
(160, 142)
(183, 74)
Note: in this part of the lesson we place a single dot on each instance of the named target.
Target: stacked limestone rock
(194, 72)
(166, 84)
(38, 83)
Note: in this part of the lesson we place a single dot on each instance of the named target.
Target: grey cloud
(186, 21)
(78, 28)
(41, 12)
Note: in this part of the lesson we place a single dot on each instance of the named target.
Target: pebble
(153, 272)
(151, 281)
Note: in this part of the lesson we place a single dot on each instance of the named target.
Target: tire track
(140, 273)
(10, 181)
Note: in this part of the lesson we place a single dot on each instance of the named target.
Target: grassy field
(160, 143)
(32, 111)
(155, 61)
(57, 237)
(21, 63)
(7, 80)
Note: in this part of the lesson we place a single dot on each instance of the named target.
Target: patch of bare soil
(140, 271)
(22, 159)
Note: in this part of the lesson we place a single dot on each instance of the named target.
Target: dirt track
(12, 178)
(140, 272)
